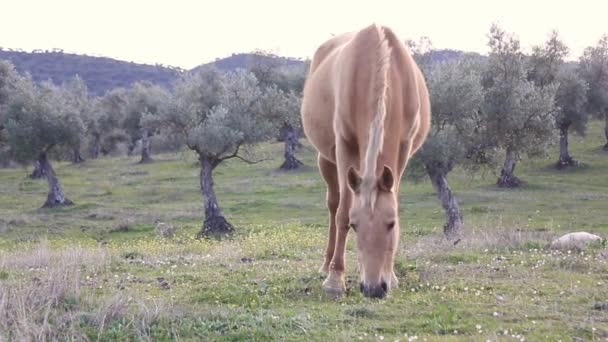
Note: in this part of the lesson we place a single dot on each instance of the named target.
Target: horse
(366, 110)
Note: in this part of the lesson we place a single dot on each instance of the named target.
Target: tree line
(488, 111)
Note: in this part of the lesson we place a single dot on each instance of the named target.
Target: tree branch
(235, 154)
(251, 162)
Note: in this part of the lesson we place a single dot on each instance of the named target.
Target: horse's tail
(376, 130)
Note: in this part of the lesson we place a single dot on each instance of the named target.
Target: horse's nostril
(375, 292)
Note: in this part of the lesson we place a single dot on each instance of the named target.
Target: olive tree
(218, 115)
(593, 67)
(104, 126)
(291, 83)
(546, 61)
(8, 82)
(284, 109)
(39, 119)
(286, 83)
(571, 100)
(77, 99)
(520, 115)
(143, 98)
(546, 67)
(456, 98)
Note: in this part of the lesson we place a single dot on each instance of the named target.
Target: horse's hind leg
(329, 172)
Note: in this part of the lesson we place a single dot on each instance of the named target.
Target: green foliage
(593, 67)
(104, 127)
(546, 61)
(78, 103)
(571, 100)
(8, 81)
(456, 97)
(40, 118)
(142, 99)
(282, 106)
(217, 112)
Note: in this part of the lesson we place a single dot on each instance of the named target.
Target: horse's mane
(376, 130)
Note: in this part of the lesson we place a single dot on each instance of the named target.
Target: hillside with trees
(101, 74)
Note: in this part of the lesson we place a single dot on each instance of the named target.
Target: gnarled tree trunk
(507, 177)
(606, 130)
(454, 227)
(291, 146)
(77, 156)
(145, 147)
(565, 159)
(215, 223)
(38, 172)
(96, 148)
(55, 197)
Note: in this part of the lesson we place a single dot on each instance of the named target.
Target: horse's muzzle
(378, 291)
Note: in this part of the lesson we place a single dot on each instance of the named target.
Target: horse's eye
(391, 225)
(353, 226)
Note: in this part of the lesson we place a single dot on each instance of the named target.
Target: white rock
(574, 240)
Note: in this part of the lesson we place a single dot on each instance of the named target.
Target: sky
(187, 33)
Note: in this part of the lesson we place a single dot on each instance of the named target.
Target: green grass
(101, 265)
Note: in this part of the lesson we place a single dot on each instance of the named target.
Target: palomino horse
(366, 109)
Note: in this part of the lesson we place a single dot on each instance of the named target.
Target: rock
(163, 283)
(576, 240)
(601, 306)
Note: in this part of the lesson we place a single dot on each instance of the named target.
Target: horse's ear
(354, 180)
(387, 180)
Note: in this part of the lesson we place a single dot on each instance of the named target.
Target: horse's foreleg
(329, 173)
(335, 284)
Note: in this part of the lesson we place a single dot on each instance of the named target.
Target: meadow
(99, 270)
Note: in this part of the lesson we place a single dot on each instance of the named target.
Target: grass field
(99, 270)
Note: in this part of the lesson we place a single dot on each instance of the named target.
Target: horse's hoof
(334, 285)
(333, 291)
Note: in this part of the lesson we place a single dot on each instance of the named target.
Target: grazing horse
(366, 110)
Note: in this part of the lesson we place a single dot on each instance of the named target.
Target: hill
(100, 73)
(244, 61)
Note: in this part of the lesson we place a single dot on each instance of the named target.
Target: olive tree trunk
(55, 197)
(145, 147)
(77, 156)
(454, 226)
(291, 146)
(606, 130)
(215, 223)
(96, 148)
(565, 159)
(507, 177)
(38, 172)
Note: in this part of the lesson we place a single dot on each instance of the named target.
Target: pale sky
(187, 33)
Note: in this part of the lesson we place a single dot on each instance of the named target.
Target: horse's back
(318, 105)
(424, 114)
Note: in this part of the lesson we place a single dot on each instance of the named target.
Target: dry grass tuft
(44, 302)
(481, 239)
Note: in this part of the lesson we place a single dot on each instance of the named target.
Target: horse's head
(373, 216)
